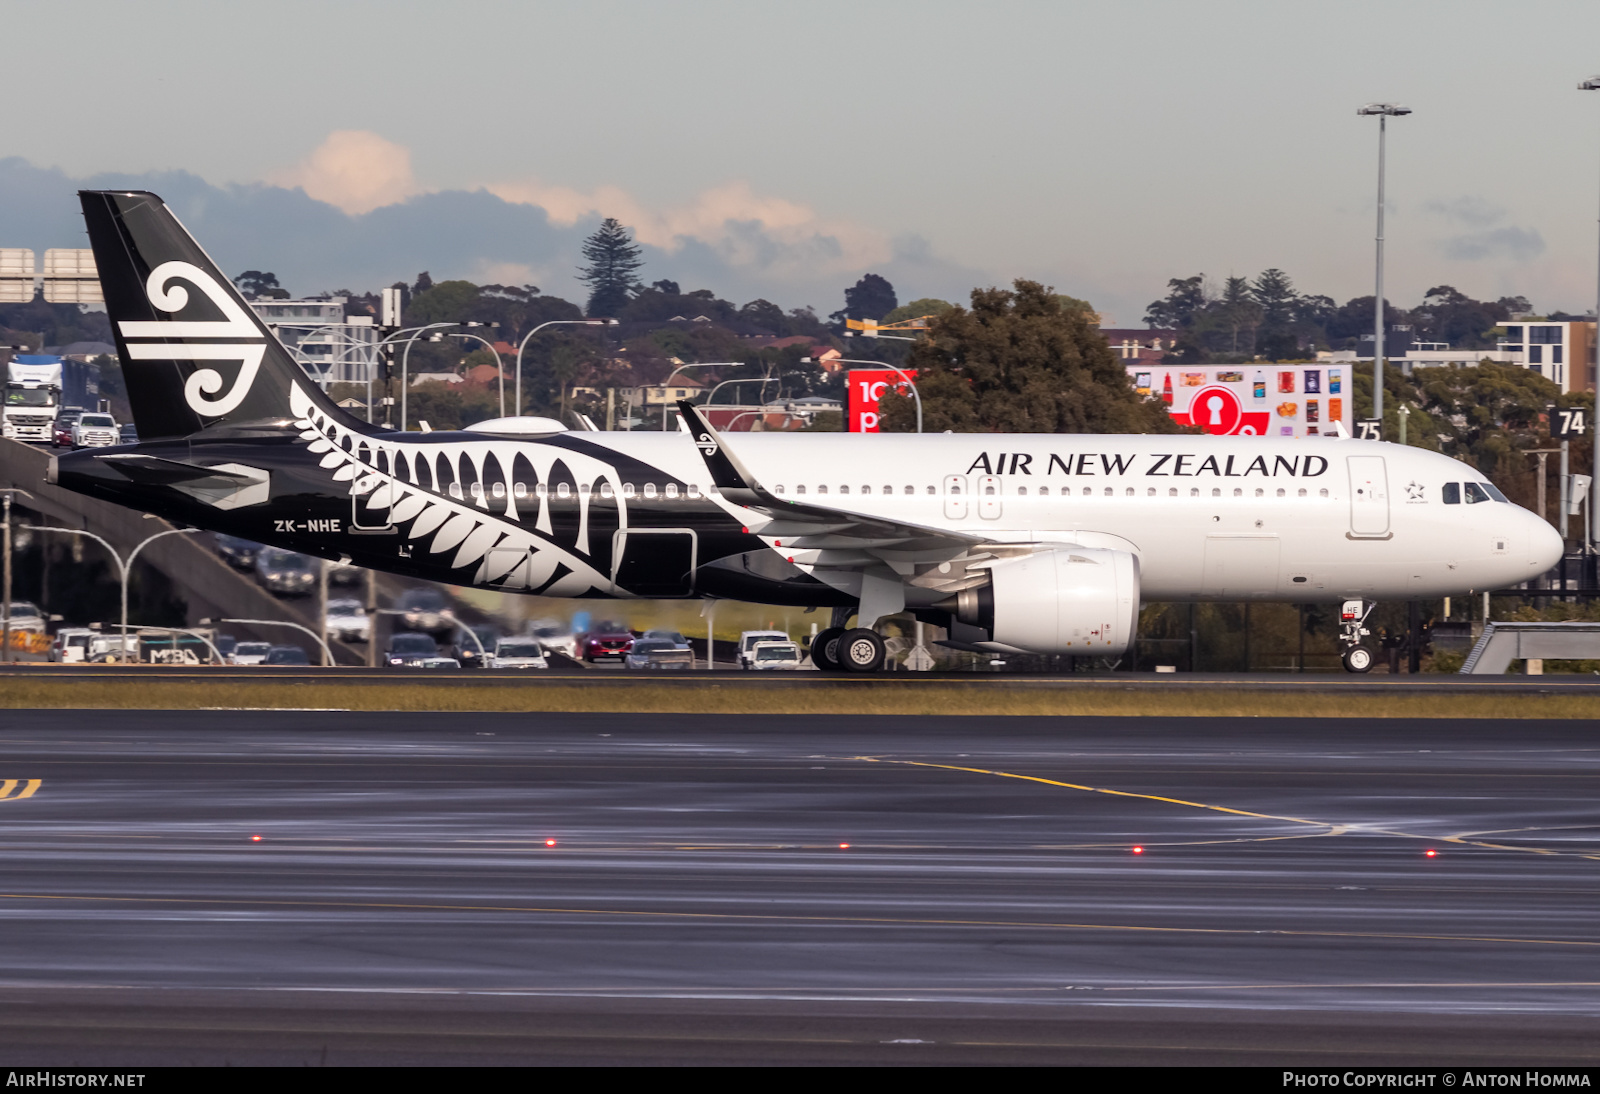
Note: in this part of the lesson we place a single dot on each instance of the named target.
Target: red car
(608, 641)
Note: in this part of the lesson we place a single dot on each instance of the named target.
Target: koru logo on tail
(705, 444)
(204, 389)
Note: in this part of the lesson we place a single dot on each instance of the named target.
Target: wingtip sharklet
(727, 471)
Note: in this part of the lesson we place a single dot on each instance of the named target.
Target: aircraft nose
(1545, 547)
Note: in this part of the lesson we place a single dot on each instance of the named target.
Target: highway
(795, 889)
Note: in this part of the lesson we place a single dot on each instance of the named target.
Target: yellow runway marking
(8, 785)
(752, 917)
(1333, 829)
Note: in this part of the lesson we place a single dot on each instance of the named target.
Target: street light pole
(1384, 112)
(1593, 84)
(5, 594)
(524, 345)
(879, 364)
(124, 567)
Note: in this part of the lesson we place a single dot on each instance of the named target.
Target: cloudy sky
(784, 149)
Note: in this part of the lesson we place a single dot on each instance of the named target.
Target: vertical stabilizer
(195, 356)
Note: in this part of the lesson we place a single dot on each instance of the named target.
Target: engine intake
(1079, 600)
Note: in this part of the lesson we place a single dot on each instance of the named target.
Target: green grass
(917, 698)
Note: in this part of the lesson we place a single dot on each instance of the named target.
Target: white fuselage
(1222, 518)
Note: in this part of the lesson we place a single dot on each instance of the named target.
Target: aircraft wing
(834, 539)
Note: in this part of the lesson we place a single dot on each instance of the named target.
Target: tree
(928, 305)
(613, 260)
(870, 298)
(260, 286)
(1020, 362)
(1185, 297)
(1274, 293)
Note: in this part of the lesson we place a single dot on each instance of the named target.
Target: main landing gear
(841, 649)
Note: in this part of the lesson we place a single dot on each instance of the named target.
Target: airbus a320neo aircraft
(1039, 543)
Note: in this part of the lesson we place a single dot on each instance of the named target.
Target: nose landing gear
(1352, 629)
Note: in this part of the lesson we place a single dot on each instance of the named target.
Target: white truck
(33, 398)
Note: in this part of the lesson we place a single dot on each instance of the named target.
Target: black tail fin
(194, 354)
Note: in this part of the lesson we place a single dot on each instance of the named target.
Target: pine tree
(613, 261)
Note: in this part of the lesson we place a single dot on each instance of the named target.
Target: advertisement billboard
(1258, 400)
(866, 390)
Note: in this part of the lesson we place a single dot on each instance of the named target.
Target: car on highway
(659, 653)
(71, 645)
(347, 620)
(286, 573)
(766, 656)
(518, 653)
(555, 637)
(607, 642)
(425, 609)
(439, 661)
(127, 433)
(467, 651)
(408, 649)
(748, 639)
(66, 418)
(238, 553)
(286, 656)
(675, 637)
(25, 616)
(113, 649)
(250, 653)
(95, 431)
(344, 573)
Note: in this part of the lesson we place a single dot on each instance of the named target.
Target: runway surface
(791, 889)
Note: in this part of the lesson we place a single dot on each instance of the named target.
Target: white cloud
(355, 171)
(742, 227)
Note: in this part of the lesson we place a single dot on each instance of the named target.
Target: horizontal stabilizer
(157, 471)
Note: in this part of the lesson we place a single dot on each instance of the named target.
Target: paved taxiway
(403, 903)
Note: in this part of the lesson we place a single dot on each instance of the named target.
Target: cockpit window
(1452, 493)
(1494, 492)
(1476, 493)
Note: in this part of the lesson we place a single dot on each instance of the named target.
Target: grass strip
(934, 698)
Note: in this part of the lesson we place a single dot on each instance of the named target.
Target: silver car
(95, 431)
(347, 620)
(765, 656)
(518, 653)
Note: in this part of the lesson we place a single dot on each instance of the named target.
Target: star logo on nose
(1414, 491)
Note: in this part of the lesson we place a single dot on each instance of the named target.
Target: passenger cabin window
(477, 489)
(820, 490)
(563, 490)
(649, 489)
(672, 490)
(499, 489)
(933, 490)
(520, 490)
(455, 490)
(779, 488)
(799, 490)
(843, 489)
(693, 490)
(627, 489)
(605, 490)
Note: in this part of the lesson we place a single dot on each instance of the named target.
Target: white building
(333, 347)
(1561, 352)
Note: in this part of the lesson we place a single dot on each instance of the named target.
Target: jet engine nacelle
(1075, 600)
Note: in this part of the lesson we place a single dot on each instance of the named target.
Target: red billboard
(866, 390)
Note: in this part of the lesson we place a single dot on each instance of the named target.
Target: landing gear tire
(860, 650)
(825, 647)
(1357, 659)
